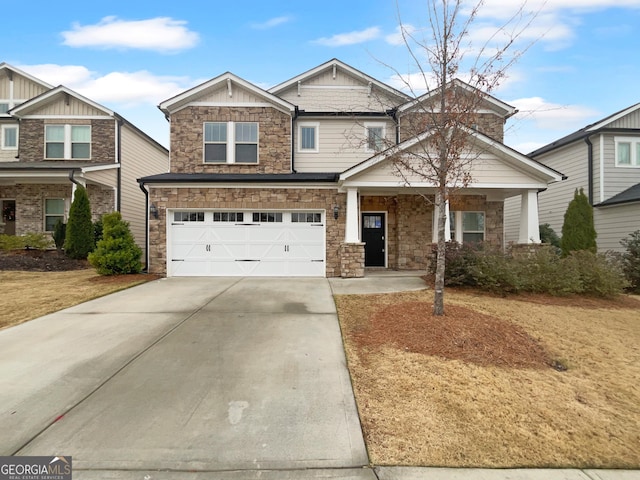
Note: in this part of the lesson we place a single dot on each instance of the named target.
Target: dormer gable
(60, 102)
(335, 86)
(16, 87)
(226, 90)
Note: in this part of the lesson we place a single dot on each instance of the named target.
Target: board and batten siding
(23, 88)
(238, 95)
(340, 144)
(70, 107)
(139, 157)
(615, 223)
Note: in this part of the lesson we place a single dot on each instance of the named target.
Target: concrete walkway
(204, 379)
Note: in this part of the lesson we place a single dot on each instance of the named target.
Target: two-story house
(53, 139)
(299, 179)
(603, 159)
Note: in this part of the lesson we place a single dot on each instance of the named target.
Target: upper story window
(627, 152)
(67, 141)
(4, 107)
(9, 138)
(375, 137)
(231, 142)
(308, 137)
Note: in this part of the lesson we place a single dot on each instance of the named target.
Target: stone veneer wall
(352, 260)
(103, 144)
(187, 139)
(413, 123)
(246, 198)
(415, 220)
(30, 202)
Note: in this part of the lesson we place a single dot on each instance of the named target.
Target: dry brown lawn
(487, 387)
(28, 295)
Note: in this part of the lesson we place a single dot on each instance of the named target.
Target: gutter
(146, 226)
(296, 113)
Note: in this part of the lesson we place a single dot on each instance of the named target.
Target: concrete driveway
(198, 377)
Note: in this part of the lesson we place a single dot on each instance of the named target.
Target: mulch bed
(39, 261)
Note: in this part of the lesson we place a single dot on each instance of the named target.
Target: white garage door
(246, 243)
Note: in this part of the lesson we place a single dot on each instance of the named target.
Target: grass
(423, 409)
(28, 295)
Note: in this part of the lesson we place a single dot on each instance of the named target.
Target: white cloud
(273, 22)
(162, 34)
(397, 37)
(350, 38)
(120, 88)
(418, 83)
(553, 116)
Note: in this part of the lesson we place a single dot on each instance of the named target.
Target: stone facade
(187, 139)
(103, 144)
(30, 203)
(488, 123)
(246, 198)
(352, 260)
(493, 218)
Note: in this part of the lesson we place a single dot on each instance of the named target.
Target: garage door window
(267, 217)
(306, 217)
(188, 216)
(228, 216)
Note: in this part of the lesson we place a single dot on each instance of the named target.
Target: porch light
(153, 210)
(336, 211)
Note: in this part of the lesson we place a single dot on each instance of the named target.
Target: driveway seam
(125, 365)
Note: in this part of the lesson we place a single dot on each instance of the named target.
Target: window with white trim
(267, 217)
(375, 135)
(67, 142)
(188, 216)
(53, 212)
(627, 152)
(467, 227)
(228, 216)
(308, 133)
(231, 142)
(9, 137)
(306, 217)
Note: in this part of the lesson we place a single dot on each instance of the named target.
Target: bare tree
(442, 121)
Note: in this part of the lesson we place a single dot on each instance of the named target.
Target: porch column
(447, 224)
(352, 230)
(529, 230)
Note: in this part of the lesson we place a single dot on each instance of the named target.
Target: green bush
(543, 272)
(631, 260)
(578, 230)
(79, 240)
(496, 272)
(599, 274)
(36, 241)
(117, 252)
(458, 260)
(548, 235)
(97, 231)
(59, 234)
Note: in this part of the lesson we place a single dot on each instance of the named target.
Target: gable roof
(497, 105)
(6, 66)
(46, 97)
(183, 99)
(500, 149)
(585, 131)
(630, 195)
(335, 63)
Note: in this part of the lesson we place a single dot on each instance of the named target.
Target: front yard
(498, 382)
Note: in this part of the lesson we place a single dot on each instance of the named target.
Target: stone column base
(352, 260)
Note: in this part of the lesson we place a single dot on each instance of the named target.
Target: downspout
(146, 225)
(589, 169)
(119, 161)
(293, 140)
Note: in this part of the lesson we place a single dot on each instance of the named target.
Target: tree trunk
(438, 292)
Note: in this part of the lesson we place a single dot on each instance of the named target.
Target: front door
(373, 235)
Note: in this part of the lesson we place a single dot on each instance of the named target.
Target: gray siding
(616, 179)
(615, 223)
(140, 157)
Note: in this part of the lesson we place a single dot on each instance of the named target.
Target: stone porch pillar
(529, 230)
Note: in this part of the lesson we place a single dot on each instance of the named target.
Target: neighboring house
(53, 139)
(296, 180)
(603, 159)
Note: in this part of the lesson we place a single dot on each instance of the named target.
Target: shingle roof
(629, 195)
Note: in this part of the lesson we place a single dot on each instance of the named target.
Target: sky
(577, 60)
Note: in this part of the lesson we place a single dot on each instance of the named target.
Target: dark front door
(373, 233)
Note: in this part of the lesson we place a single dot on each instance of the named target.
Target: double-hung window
(67, 141)
(9, 137)
(627, 152)
(53, 212)
(374, 137)
(308, 137)
(466, 227)
(231, 142)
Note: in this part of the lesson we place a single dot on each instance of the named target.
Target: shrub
(548, 235)
(117, 252)
(36, 241)
(496, 272)
(79, 241)
(97, 231)
(458, 261)
(599, 274)
(59, 234)
(542, 272)
(631, 260)
(578, 230)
